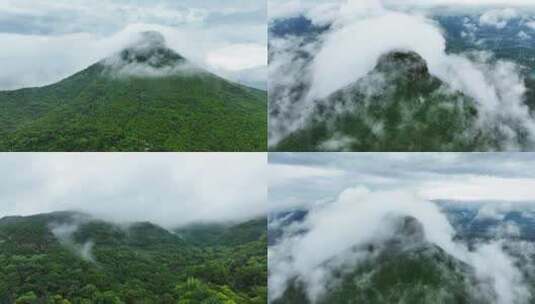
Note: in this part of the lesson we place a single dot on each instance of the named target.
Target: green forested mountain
(399, 106)
(422, 275)
(220, 235)
(145, 98)
(68, 257)
(405, 269)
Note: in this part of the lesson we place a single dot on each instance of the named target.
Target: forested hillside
(68, 257)
(145, 98)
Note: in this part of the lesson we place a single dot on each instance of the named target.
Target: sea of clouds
(361, 31)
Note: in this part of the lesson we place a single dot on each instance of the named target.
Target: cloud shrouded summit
(382, 203)
(148, 56)
(64, 37)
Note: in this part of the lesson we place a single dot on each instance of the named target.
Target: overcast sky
(169, 189)
(326, 8)
(300, 179)
(45, 41)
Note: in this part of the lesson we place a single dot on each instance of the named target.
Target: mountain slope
(68, 257)
(398, 106)
(221, 235)
(145, 98)
(403, 269)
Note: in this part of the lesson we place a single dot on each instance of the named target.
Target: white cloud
(355, 54)
(481, 188)
(61, 56)
(281, 174)
(308, 177)
(498, 18)
(373, 189)
(470, 2)
(346, 53)
(531, 25)
(523, 35)
(49, 41)
(238, 57)
(292, 8)
(168, 189)
(363, 217)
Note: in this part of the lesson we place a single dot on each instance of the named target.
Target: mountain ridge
(405, 268)
(64, 257)
(398, 106)
(144, 98)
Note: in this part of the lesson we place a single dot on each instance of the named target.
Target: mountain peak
(150, 48)
(150, 39)
(407, 63)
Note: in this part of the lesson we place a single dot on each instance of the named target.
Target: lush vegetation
(100, 262)
(95, 111)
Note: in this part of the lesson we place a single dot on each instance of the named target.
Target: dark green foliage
(94, 110)
(139, 263)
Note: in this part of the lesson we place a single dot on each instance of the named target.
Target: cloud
(345, 53)
(285, 173)
(64, 233)
(389, 32)
(156, 62)
(50, 41)
(238, 57)
(292, 8)
(467, 2)
(523, 35)
(370, 190)
(167, 189)
(497, 18)
(531, 25)
(481, 188)
(364, 217)
(302, 179)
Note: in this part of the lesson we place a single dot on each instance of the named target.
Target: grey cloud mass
(167, 189)
(455, 176)
(48, 41)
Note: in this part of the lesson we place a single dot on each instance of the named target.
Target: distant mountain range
(70, 257)
(146, 97)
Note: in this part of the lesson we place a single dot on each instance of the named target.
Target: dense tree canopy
(100, 262)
